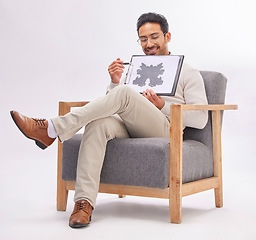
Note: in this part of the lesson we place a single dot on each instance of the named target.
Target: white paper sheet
(153, 72)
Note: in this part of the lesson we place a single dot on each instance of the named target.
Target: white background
(60, 50)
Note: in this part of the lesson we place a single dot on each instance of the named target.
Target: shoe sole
(39, 144)
(80, 225)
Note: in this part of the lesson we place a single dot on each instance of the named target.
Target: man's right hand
(116, 70)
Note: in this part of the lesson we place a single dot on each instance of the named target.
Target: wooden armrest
(177, 109)
(75, 104)
(209, 107)
(65, 107)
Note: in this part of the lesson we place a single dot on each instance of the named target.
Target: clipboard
(159, 73)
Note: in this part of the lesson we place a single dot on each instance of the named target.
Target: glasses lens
(153, 39)
(142, 41)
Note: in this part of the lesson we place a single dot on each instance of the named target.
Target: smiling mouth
(151, 50)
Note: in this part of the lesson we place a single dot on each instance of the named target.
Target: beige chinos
(139, 118)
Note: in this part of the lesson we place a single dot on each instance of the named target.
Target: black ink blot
(149, 72)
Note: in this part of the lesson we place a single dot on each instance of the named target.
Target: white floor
(28, 196)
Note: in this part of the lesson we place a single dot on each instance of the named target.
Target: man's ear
(168, 36)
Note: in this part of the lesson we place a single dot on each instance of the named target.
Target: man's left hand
(152, 97)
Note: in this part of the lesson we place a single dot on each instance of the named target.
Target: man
(145, 115)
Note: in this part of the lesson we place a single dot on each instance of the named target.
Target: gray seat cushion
(141, 161)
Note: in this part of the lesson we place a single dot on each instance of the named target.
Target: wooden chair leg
(175, 209)
(121, 196)
(62, 196)
(217, 156)
(62, 192)
(218, 197)
(175, 181)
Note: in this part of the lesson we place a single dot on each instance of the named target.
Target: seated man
(141, 115)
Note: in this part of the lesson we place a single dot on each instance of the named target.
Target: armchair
(187, 163)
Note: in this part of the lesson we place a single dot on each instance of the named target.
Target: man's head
(153, 32)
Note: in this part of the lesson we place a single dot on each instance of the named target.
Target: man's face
(152, 31)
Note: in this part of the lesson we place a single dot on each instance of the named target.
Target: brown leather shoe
(81, 215)
(35, 129)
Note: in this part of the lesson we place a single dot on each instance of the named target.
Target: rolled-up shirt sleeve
(113, 85)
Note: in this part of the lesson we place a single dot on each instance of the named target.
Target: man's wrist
(115, 82)
(112, 83)
(166, 109)
(161, 105)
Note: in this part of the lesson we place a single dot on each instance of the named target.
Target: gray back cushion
(215, 86)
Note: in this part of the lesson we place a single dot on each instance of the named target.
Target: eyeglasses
(153, 39)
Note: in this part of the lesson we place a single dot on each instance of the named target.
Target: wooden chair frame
(176, 189)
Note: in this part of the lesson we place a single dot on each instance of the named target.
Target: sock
(51, 130)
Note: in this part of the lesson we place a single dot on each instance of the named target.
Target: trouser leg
(140, 116)
(91, 155)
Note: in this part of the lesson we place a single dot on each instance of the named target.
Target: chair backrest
(215, 86)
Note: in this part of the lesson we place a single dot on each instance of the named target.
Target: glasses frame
(150, 39)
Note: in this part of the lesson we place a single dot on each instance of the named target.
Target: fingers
(115, 70)
(150, 95)
(117, 64)
(144, 94)
(153, 98)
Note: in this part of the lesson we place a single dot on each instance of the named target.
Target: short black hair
(153, 18)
